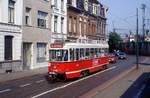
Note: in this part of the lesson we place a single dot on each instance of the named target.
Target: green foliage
(114, 41)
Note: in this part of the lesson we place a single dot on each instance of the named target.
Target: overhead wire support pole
(143, 20)
(137, 41)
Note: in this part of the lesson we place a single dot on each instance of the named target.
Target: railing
(6, 27)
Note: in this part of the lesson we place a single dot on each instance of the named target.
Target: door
(8, 47)
(26, 55)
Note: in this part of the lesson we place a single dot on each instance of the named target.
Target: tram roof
(83, 45)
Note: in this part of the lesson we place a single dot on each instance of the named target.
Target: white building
(59, 20)
(10, 35)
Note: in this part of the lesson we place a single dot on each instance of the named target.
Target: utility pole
(143, 20)
(137, 41)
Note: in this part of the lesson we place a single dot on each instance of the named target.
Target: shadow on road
(140, 88)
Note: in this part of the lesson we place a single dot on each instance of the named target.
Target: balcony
(11, 28)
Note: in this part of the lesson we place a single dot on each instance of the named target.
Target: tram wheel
(63, 78)
(85, 73)
(105, 67)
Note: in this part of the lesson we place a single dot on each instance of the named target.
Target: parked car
(112, 59)
(121, 55)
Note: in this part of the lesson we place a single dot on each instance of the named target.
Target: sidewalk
(26, 73)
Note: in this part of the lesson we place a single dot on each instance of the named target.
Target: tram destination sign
(56, 45)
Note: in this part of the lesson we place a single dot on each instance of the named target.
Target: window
(80, 4)
(41, 52)
(42, 19)
(62, 24)
(90, 8)
(55, 3)
(86, 5)
(62, 5)
(80, 27)
(27, 17)
(77, 54)
(74, 3)
(72, 56)
(85, 30)
(46, 0)
(8, 47)
(70, 21)
(11, 11)
(87, 53)
(55, 23)
(82, 54)
(69, 1)
(74, 25)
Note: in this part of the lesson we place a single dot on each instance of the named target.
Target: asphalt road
(38, 87)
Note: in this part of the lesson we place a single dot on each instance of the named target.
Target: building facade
(36, 33)
(86, 21)
(28, 27)
(59, 21)
(10, 35)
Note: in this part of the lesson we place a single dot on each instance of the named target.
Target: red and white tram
(73, 60)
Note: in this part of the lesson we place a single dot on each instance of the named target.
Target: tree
(114, 41)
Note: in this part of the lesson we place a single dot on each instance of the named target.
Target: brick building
(86, 20)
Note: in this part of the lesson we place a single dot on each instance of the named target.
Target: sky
(122, 14)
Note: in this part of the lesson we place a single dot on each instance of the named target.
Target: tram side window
(87, 54)
(91, 52)
(99, 52)
(65, 58)
(106, 51)
(96, 52)
(72, 56)
(77, 54)
(103, 52)
(82, 54)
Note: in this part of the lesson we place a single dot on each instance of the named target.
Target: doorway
(27, 56)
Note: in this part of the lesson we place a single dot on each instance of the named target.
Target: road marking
(64, 86)
(24, 85)
(39, 81)
(6, 90)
